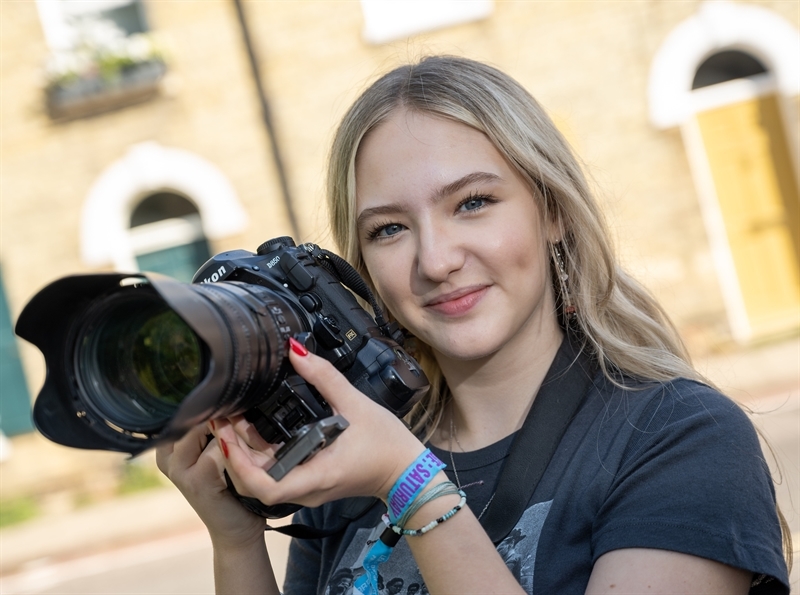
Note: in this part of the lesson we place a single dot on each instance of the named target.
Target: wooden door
(757, 192)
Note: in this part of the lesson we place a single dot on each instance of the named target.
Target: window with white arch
(724, 76)
(158, 209)
(166, 236)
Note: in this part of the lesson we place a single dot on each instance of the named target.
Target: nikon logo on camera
(216, 276)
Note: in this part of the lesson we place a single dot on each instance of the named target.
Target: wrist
(238, 542)
(409, 485)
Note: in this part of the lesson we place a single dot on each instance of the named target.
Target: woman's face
(452, 237)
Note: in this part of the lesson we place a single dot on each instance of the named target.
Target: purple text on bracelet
(412, 481)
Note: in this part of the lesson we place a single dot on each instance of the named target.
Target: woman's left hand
(365, 460)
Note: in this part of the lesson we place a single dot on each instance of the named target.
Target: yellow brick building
(685, 113)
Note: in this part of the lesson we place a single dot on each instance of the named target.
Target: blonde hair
(622, 325)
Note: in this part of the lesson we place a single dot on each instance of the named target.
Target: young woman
(455, 196)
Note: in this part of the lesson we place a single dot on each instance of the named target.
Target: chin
(466, 349)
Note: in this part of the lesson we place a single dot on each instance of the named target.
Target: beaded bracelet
(434, 523)
(443, 489)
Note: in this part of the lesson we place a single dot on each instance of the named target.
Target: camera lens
(166, 357)
(137, 360)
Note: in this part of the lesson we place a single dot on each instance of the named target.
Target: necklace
(454, 434)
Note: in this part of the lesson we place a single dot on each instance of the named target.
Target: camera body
(135, 360)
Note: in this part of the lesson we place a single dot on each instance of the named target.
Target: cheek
(390, 280)
(526, 256)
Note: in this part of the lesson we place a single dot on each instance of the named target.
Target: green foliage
(17, 511)
(136, 477)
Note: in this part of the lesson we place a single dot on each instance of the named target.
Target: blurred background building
(145, 135)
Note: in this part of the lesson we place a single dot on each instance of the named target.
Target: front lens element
(166, 358)
(137, 360)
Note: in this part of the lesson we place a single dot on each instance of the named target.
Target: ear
(554, 230)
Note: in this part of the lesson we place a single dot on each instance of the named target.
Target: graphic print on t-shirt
(399, 575)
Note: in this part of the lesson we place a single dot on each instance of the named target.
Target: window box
(90, 95)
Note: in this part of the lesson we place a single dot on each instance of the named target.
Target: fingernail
(297, 347)
(224, 448)
(211, 424)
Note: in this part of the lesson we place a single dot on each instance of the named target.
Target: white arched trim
(715, 27)
(145, 169)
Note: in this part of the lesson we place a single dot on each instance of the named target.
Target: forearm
(244, 570)
(457, 556)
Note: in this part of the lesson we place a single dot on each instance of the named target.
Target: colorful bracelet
(434, 523)
(413, 480)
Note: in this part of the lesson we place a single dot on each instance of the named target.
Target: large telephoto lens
(136, 360)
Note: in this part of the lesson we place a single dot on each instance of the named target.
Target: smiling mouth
(458, 302)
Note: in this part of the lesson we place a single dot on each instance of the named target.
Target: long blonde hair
(623, 326)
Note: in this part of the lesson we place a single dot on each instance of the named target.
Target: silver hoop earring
(569, 310)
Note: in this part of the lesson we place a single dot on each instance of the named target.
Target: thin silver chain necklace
(453, 434)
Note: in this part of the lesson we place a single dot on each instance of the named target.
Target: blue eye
(390, 230)
(472, 204)
(385, 231)
(475, 202)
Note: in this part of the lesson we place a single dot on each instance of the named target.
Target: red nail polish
(224, 447)
(297, 347)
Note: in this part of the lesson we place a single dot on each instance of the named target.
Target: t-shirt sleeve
(695, 481)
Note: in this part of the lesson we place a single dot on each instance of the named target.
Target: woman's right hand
(195, 465)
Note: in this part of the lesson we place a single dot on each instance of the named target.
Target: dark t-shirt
(674, 466)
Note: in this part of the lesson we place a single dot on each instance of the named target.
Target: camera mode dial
(275, 244)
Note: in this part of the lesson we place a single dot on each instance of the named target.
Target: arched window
(727, 65)
(166, 236)
(155, 209)
(723, 76)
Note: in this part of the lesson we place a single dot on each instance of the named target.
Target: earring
(570, 312)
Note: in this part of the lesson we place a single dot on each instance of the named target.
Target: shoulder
(680, 404)
(674, 426)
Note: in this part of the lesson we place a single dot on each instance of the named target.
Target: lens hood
(53, 321)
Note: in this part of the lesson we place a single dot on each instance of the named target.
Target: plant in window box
(105, 69)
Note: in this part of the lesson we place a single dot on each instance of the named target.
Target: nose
(439, 254)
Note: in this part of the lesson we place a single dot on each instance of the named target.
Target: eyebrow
(446, 190)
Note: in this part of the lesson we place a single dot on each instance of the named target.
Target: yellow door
(757, 193)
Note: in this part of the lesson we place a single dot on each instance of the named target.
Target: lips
(458, 302)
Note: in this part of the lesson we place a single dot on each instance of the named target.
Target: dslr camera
(134, 360)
